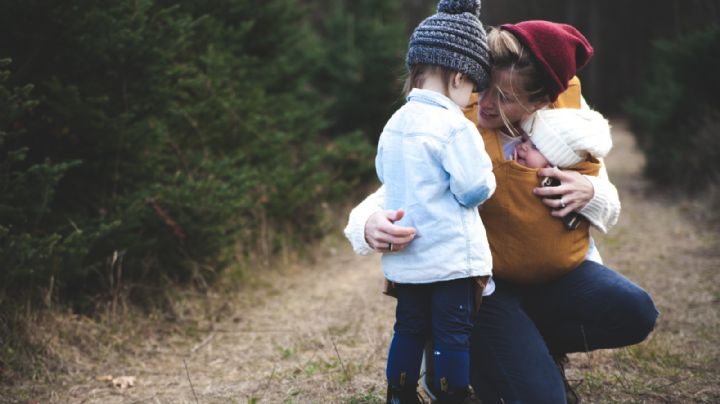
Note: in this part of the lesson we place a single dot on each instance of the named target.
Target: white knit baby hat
(565, 136)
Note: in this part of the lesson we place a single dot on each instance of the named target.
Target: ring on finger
(390, 246)
(562, 203)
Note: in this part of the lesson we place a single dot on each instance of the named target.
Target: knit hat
(453, 38)
(560, 49)
(566, 136)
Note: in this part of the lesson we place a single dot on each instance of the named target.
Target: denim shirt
(433, 164)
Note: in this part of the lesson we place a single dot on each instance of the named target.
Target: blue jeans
(444, 311)
(520, 327)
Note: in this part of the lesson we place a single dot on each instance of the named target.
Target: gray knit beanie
(453, 38)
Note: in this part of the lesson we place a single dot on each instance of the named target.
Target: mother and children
(499, 272)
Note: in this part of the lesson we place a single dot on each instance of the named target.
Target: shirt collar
(433, 98)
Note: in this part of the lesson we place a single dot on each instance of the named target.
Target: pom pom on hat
(459, 7)
(455, 39)
(560, 49)
(566, 136)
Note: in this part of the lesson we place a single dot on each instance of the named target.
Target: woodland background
(152, 144)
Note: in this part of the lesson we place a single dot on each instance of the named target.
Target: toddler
(433, 164)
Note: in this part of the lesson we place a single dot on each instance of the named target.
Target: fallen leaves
(120, 382)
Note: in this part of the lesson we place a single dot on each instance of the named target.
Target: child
(566, 138)
(433, 164)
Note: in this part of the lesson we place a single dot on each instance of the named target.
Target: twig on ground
(267, 383)
(187, 372)
(672, 383)
(203, 343)
(347, 375)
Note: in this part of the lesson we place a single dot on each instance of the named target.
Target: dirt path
(320, 334)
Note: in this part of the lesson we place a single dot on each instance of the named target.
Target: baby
(528, 236)
(562, 138)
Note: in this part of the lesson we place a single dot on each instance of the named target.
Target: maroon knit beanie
(559, 48)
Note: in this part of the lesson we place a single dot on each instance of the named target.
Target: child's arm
(470, 168)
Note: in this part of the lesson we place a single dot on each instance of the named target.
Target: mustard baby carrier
(529, 245)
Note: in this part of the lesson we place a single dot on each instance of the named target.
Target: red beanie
(559, 48)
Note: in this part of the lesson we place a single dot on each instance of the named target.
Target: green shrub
(363, 63)
(28, 252)
(150, 141)
(676, 117)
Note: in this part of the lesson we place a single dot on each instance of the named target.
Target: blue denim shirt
(433, 164)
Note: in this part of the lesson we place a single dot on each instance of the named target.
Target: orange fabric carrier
(528, 244)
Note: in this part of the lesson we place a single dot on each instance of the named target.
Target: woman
(522, 331)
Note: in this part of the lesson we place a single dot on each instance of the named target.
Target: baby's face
(528, 155)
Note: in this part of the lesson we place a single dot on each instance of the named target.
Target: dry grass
(661, 243)
(318, 332)
(298, 334)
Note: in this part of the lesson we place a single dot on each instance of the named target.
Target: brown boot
(464, 396)
(403, 395)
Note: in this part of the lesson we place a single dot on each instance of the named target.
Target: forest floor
(319, 332)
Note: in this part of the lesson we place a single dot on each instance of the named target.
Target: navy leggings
(520, 327)
(444, 311)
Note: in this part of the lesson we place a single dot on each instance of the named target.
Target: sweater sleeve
(355, 229)
(603, 210)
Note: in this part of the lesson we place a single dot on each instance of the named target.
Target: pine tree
(165, 138)
(365, 46)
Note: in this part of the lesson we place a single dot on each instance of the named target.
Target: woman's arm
(596, 198)
(370, 228)
(603, 210)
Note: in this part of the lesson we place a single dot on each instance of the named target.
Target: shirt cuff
(603, 209)
(355, 229)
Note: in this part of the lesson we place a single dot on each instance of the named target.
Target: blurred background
(150, 143)
(622, 33)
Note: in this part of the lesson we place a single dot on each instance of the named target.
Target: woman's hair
(509, 54)
(418, 73)
(512, 56)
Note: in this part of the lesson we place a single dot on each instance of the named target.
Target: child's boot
(462, 396)
(403, 395)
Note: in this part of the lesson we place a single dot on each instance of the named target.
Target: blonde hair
(509, 54)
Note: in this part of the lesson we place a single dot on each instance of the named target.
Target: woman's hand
(575, 191)
(384, 236)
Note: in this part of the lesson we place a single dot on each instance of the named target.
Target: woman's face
(505, 93)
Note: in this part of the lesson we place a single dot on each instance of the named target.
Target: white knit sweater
(602, 211)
